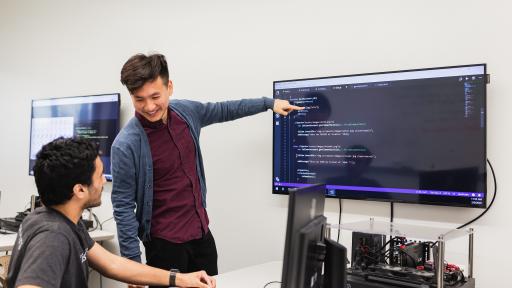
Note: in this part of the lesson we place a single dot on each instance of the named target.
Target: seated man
(53, 248)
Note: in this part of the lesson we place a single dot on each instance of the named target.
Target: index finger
(296, 107)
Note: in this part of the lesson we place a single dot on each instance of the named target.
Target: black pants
(194, 255)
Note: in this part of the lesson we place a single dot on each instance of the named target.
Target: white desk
(252, 277)
(7, 240)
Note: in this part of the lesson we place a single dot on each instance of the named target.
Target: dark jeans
(191, 256)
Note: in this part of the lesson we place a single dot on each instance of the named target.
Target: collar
(153, 125)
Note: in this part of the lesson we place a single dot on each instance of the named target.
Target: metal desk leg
(470, 254)
(440, 263)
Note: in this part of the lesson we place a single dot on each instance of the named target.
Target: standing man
(159, 189)
(53, 248)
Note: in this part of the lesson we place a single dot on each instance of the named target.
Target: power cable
(492, 201)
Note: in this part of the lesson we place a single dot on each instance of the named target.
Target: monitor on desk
(307, 253)
(304, 230)
(94, 117)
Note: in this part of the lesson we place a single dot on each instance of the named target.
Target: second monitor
(307, 251)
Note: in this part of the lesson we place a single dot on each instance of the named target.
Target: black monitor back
(304, 206)
(335, 269)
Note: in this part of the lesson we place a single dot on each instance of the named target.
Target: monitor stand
(335, 268)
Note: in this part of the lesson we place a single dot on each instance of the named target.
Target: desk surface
(252, 277)
(7, 240)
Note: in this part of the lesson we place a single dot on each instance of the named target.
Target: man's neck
(71, 212)
(165, 115)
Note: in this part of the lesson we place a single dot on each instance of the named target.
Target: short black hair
(60, 165)
(140, 69)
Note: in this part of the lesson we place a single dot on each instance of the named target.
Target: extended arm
(128, 271)
(284, 107)
(210, 113)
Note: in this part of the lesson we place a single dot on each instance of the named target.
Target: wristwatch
(172, 277)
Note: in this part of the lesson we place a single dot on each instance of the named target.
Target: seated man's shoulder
(44, 232)
(43, 220)
(41, 226)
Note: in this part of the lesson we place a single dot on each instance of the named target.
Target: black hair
(140, 69)
(60, 165)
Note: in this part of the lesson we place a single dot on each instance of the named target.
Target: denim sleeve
(210, 113)
(123, 202)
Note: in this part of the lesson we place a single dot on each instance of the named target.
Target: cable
(482, 214)
(392, 212)
(98, 223)
(410, 256)
(492, 201)
(101, 224)
(271, 282)
(339, 223)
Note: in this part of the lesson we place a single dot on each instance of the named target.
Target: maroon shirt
(178, 215)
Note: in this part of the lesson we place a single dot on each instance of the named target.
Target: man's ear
(170, 87)
(79, 191)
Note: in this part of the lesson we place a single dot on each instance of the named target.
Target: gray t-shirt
(50, 251)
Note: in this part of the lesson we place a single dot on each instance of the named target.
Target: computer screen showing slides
(413, 136)
(95, 117)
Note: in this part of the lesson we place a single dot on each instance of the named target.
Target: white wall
(223, 49)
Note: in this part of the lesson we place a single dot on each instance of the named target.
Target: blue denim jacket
(132, 165)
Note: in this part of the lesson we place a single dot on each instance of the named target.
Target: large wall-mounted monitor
(95, 117)
(413, 136)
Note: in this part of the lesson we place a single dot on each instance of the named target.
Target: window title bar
(393, 76)
(76, 100)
